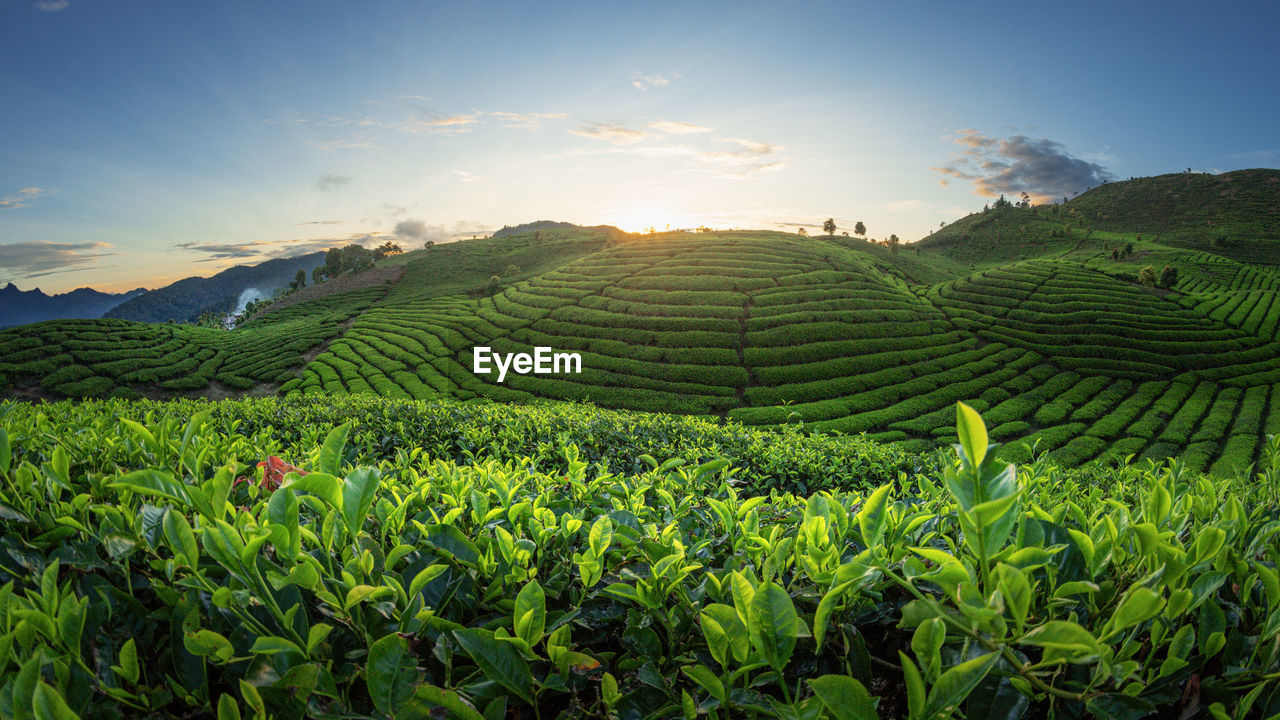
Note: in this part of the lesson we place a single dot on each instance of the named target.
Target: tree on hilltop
(892, 242)
(830, 226)
(802, 232)
(387, 249)
(299, 280)
(860, 229)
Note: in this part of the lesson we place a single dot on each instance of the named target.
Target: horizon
(146, 143)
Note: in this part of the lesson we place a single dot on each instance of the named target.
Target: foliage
(147, 580)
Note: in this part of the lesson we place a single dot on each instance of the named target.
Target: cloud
(420, 232)
(640, 81)
(616, 134)
(39, 257)
(51, 6)
(322, 222)
(23, 197)
(672, 127)
(262, 249)
(451, 124)
(465, 176)
(225, 251)
(526, 121)
(1042, 168)
(746, 148)
(332, 182)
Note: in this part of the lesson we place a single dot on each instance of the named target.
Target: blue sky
(145, 141)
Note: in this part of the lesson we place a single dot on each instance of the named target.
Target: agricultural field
(1037, 317)
(258, 558)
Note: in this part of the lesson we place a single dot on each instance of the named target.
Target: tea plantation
(1037, 317)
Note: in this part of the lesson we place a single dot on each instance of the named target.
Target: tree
(299, 280)
(830, 226)
(387, 249)
(494, 283)
(1147, 276)
(317, 275)
(429, 244)
(802, 232)
(1168, 276)
(892, 242)
(860, 229)
(1128, 247)
(1115, 254)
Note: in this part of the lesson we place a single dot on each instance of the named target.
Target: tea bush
(158, 568)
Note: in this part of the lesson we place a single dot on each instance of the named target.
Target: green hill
(1032, 315)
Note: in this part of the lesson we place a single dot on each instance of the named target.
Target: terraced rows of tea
(770, 329)
(1035, 319)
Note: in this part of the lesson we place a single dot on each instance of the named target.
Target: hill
(19, 307)
(187, 299)
(1031, 316)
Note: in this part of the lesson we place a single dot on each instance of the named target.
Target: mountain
(188, 299)
(1082, 341)
(18, 307)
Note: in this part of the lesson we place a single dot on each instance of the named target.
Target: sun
(641, 220)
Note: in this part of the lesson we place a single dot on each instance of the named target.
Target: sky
(143, 141)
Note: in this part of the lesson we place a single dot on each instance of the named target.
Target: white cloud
(23, 197)
(640, 81)
(616, 134)
(465, 176)
(672, 127)
(452, 124)
(51, 6)
(526, 121)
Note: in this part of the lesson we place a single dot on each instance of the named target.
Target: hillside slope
(1029, 315)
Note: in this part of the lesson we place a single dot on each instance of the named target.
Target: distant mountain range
(19, 307)
(190, 298)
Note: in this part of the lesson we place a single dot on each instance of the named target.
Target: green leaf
(331, 451)
(47, 704)
(973, 434)
(227, 708)
(873, 516)
(182, 541)
(739, 639)
(498, 661)
(128, 662)
(460, 709)
(452, 542)
(956, 683)
(1064, 636)
(844, 697)
(1016, 591)
(530, 621)
(390, 673)
(774, 624)
(271, 644)
(915, 687)
(208, 643)
(358, 493)
(601, 535)
(702, 675)
(323, 485)
(1139, 604)
(6, 452)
